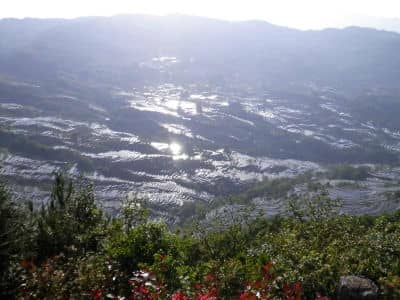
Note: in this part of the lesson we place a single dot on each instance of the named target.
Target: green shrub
(71, 220)
(81, 254)
(349, 172)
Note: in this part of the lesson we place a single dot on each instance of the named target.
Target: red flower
(298, 288)
(268, 267)
(320, 297)
(247, 296)
(206, 297)
(144, 291)
(267, 271)
(210, 277)
(286, 288)
(293, 292)
(210, 295)
(97, 295)
(27, 264)
(257, 285)
(244, 296)
(179, 296)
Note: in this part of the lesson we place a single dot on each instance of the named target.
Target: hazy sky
(296, 13)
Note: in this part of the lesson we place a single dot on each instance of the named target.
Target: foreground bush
(76, 252)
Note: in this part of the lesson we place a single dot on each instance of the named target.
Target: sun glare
(175, 148)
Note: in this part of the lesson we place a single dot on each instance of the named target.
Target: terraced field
(175, 143)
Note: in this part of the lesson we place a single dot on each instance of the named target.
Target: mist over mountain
(252, 51)
(380, 23)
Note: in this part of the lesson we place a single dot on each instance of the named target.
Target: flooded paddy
(177, 143)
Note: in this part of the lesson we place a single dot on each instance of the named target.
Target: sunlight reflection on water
(175, 148)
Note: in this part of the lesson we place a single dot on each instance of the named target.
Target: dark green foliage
(79, 253)
(71, 220)
(16, 238)
(349, 172)
(8, 236)
(269, 188)
(321, 251)
(313, 207)
(133, 213)
(140, 245)
(9, 232)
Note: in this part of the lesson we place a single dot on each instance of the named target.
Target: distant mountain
(207, 49)
(380, 23)
(16, 34)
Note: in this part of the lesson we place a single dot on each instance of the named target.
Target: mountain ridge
(258, 50)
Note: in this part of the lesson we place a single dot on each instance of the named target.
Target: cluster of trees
(349, 172)
(71, 249)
